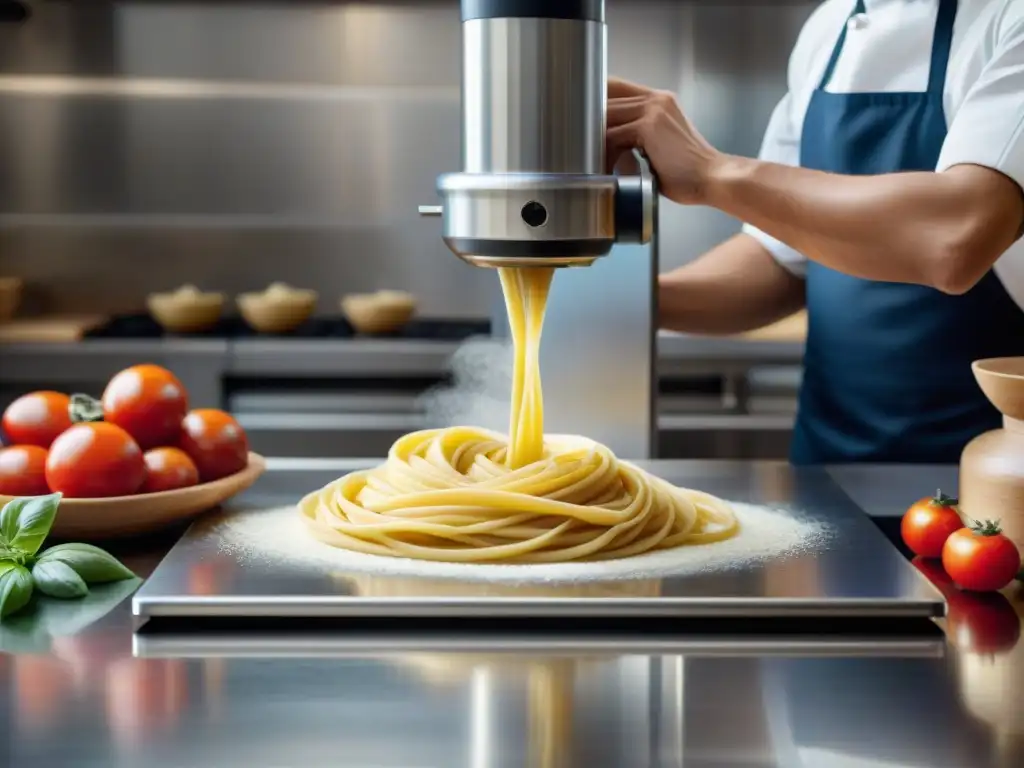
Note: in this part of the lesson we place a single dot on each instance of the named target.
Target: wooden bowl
(1002, 381)
(279, 309)
(186, 310)
(381, 312)
(98, 519)
(10, 297)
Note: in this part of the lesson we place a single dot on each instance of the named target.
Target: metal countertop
(74, 695)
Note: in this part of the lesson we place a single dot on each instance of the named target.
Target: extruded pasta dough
(470, 495)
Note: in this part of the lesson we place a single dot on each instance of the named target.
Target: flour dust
(278, 537)
(481, 387)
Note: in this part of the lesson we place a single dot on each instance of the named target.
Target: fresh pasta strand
(469, 495)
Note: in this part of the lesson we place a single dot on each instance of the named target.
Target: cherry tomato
(95, 460)
(23, 471)
(215, 442)
(37, 418)
(148, 402)
(928, 523)
(980, 558)
(168, 469)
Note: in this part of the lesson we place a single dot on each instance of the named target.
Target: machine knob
(636, 204)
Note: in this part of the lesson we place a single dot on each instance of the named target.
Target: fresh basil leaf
(9, 521)
(93, 564)
(26, 522)
(15, 588)
(57, 579)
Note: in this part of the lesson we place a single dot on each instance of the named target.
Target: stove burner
(142, 326)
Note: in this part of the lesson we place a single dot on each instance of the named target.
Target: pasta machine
(534, 191)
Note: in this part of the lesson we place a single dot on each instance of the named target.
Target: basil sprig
(63, 572)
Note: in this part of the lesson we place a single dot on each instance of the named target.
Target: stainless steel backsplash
(144, 145)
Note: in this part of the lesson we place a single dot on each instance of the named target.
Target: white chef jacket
(887, 48)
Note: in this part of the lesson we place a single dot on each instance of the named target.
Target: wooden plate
(98, 519)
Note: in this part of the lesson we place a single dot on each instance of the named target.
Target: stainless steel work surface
(854, 572)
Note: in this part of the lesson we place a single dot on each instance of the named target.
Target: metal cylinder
(533, 189)
(533, 95)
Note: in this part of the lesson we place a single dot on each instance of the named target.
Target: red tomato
(148, 402)
(23, 471)
(215, 442)
(980, 558)
(95, 460)
(928, 523)
(168, 469)
(37, 418)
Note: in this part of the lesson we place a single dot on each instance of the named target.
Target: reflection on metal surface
(144, 698)
(991, 669)
(986, 630)
(776, 487)
(801, 578)
(213, 673)
(550, 714)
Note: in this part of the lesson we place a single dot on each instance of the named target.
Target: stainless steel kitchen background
(144, 145)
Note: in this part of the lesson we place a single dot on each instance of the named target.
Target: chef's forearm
(735, 287)
(939, 229)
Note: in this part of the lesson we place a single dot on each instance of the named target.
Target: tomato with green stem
(979, 558)
(929, 522)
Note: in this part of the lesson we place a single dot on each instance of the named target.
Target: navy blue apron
(888, 366)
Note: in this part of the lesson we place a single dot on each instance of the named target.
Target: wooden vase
(992, 464)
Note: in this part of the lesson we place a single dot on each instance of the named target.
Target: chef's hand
(651, 120)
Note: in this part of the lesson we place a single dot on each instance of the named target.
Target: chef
(887, 200)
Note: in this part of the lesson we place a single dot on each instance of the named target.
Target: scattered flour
(278, 536)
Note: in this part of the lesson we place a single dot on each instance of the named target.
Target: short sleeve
(988, 127)
(781, 144)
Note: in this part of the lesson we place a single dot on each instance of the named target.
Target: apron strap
(838, 49)
(942, 44)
